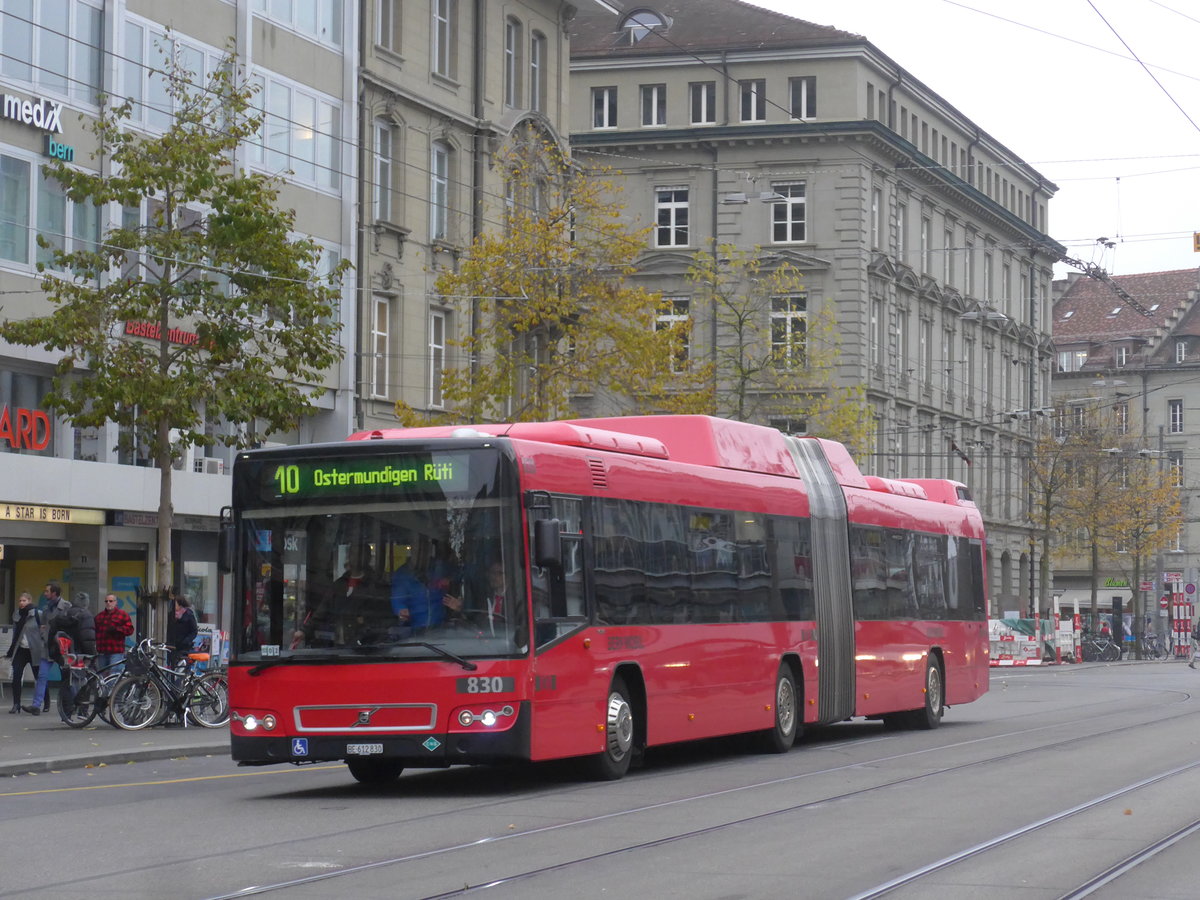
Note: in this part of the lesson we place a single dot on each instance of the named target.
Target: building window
(754, 99)
(387, 25)
(948, 258)
(802, 96)
(380, 349)
(439, 192)
(445, 30)
(788, 326)
(1121, 415)
(675, 314)
(640, 24)
(53, 45)
(1180, 351)
(437, 356)
(1071, 360)
(703, 97)
(537, 72)
(604, 107)
(876, 334)
(788, 216)
(1121, 357)
(62, 223)
(383, 170)
(671, 217)
(654, 104)
(969, 268)
(925, 352)
(300, 131)
(876, 218)
(320, 20)
(1175, 461)
(512, 62)
(1175, 416)
(902, 231)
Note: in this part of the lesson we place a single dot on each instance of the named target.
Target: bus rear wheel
(930, 715)
(613, 761)
(779, 739)
(374, 771)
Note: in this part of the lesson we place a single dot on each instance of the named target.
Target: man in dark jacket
(182, 629)
(58, 609)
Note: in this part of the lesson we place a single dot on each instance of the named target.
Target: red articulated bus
(436, 596)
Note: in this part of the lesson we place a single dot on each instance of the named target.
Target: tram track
(824, 800)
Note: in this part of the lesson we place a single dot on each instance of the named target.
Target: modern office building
(74, 508)
(927, 236)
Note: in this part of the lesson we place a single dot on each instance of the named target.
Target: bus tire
(374, 771)
(612, 762)
(929, 716)
(780, 737)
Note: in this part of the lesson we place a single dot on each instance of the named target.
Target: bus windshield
(370, 556)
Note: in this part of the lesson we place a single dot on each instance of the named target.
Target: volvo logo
(364, 717)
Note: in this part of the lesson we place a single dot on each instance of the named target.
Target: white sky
(1052, 82)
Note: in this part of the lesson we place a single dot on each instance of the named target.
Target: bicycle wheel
(107, 683)
(1112, 652)
(87, 698)
(135, 703)
(208, 701)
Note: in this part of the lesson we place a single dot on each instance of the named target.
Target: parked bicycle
(151, 692)
(89, 687)
(1099, 648)
(1153, 647)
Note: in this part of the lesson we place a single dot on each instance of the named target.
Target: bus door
(566, 694)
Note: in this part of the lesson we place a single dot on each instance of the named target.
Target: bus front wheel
(374, 771)
(613, 761)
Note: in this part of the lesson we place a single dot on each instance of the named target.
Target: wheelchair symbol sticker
(300, 747)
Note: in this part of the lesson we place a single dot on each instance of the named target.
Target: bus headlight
(488, 718)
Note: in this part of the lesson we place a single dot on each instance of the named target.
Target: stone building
(926, 235)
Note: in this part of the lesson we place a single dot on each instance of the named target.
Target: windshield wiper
(465, 663)
(290, 660)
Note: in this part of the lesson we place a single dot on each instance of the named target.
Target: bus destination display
(377, 476)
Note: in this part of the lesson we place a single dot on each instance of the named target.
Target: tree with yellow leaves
(551, 310)
(774, 358)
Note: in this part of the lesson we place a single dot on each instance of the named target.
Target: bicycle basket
(136, 662)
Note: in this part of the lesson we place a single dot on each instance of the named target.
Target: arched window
(640, 23)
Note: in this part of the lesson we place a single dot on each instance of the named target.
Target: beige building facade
(444, 83)
(926, 235)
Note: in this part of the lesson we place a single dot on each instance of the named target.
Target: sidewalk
(43, 743)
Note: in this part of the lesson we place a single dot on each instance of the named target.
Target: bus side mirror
(547, 543)
(225, 538)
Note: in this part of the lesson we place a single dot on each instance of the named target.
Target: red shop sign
(25, 428)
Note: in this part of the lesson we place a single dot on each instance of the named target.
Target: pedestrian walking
(57, 606)
(27, 647)
(76, 622)
(1195, 644)
(113, 625)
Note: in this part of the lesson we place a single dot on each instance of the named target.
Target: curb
(110, 757)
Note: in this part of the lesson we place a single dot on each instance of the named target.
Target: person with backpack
(57, 608)
(28, 647)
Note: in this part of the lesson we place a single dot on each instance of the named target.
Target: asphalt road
(1059, 782)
